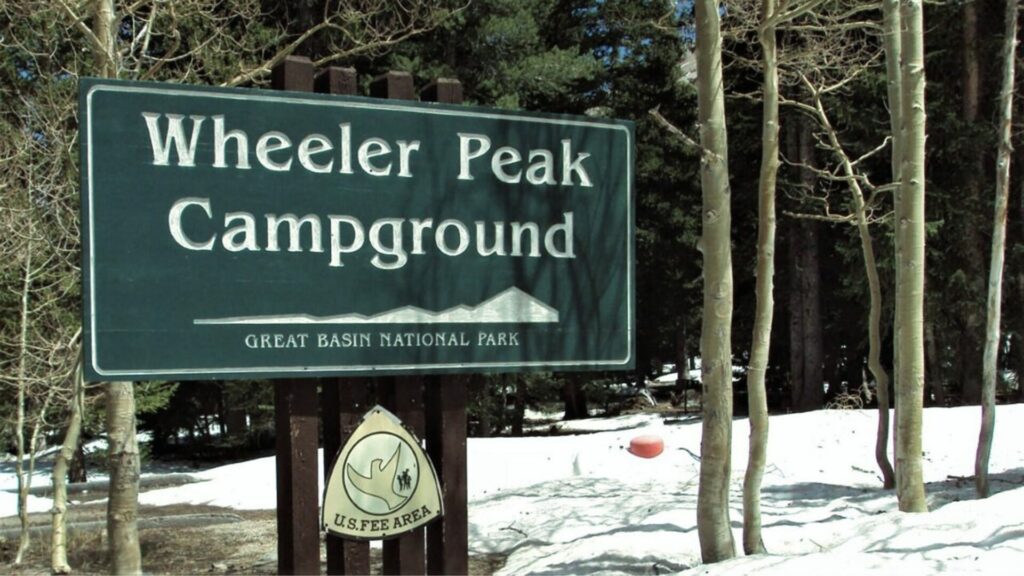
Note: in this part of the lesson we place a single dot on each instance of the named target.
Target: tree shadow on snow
(959, 488)
(953, 489)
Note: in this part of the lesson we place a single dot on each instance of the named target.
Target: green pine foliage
(609, 58)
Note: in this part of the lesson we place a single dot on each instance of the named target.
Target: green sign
(247, 233)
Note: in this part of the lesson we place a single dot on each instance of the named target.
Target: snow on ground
(581, 504)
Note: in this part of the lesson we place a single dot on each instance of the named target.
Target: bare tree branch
(678, 133)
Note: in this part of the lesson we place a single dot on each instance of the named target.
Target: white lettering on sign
(312, 145)
(505, 163)
(460, 339)
(173, 142)
(161, 143)
(388, 237)
(177, 140)
(275, 341)
(174, 222)
(220, 141)
(273, 141)
(274, 150)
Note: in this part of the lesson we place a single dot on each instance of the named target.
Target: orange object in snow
(646, 446)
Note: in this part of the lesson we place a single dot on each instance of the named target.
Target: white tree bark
(893, 56)
(24, 479)
(58, 537)
(123, 450)
(911, 253)
(122, 507)
(713, 526)
(990, 362)
(760, 347)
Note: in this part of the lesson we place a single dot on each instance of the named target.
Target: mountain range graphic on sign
(511, 306)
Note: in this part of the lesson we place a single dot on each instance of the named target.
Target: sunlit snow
(582, 504)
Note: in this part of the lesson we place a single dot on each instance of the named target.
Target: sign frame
(92, 315)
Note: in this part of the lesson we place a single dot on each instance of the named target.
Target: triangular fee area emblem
(382, 483)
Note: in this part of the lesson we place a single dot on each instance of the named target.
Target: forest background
(610, 58)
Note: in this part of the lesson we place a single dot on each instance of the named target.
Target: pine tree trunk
(713, 526)
(936, 381)
(682, 364)
(910, 246)
(1020, 298)
(813, 394)
(794, 238)
(757, 402)
(805, 335)
(796, 316)
(682, 359)
(519, 408)
(1020, 347)
(234, 422)
(971, 339)
(995, 277)
(58, 538)
(575, 400)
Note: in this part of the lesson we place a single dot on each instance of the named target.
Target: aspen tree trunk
(893, 55)
(58, 538)
(24, 475)
(757, 403)
(713, 527)
(995, 275)
(24, 478)
(122, 507)
(875, 296)
(123, 451)
(910, 248)
(875, 350)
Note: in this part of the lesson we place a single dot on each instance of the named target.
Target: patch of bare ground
(175, 540)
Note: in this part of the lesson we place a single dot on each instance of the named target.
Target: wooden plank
(337, 80)
(351, 398)
(296, 424)
(445, 90)
(448, 538)
(393, 85)
(298, 530)
(294, 73)
(446, 427)
(343, 401)
(403, 396)
(331, 407)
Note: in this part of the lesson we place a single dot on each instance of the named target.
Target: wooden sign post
(386, 246)
(296, 425)
(434, 407)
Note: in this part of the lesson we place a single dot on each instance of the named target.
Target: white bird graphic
(371, 484)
